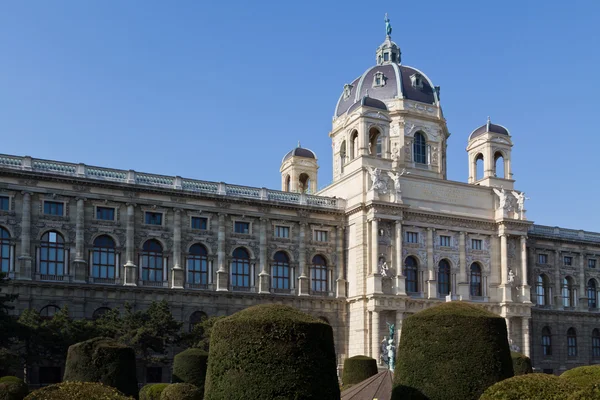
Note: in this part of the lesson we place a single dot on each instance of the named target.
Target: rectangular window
(153, 218)
(282, 231)
(592, 263)
(595, 346)
(242, 227)
(568, 260)
(477, 244)
(54, 208)
(321, 236)
(199, 223)
(105, 213)
(4, 203)
(412, 237)
(445, 241)
(386, 56)
(542, 258)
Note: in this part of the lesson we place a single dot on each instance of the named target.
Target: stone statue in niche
(383, 267)
(377, 183)
(395, 177)
(511, 276)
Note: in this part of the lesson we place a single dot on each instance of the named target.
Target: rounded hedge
(189, 366)
(530, 387)
(591, 393)
(452, 351)
(583, 377)
(357, 369)
(76, 391)
(181, 391)
(12, 388)
(103, 360)
(152, 391)
(271, 351)
(521, 363)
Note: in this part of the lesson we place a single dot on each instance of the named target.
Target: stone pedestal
(506, 292)
(25, 268)
(263, 283)
(372, 195)
(400, 285)
(177, 277)
(340, 288)
(222, 280)
(130, 278)
(463, 291)
(374, 284)
(432, 289)
(79, 273)
(303, 285)
(526, 294)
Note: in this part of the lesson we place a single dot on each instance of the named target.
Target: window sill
(53, 278)
(104, 281)
(154, 283)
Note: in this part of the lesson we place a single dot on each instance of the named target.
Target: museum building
(390, 236)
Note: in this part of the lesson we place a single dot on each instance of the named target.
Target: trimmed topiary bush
(12, 388)
(583, 377)
(591, 393)
(452, 351)
(521, 363)
(103, 360)
(530, 387)
(152, 391)
(76, 391)
(271, 351)
(357, 369)
(189, 366)
(181, 391)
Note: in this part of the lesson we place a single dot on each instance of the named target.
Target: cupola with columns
(299, 171)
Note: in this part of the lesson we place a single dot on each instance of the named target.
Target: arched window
(542, 290)
(304, 183)
(596, 343)
(99, 312)
(196, 318)
(152, 261)
(420, 149)
(280, 271)
(103, 258)
(49, 311)
(592, 294)
(4, 250)
(571, 343)
(546, 341)
(411, 272)
(197, 265)
(288, 183)
(499, 165)
(479, 166)
(444, 278)
(353, 145)
(318, 274)
(476, 280)
(375, 143)
(240, 269)
(568, 292)
(52, 255)
(342, 156)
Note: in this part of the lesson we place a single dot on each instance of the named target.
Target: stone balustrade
(563, 233)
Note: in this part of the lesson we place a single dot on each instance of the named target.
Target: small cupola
(388, 52)
(299, 171)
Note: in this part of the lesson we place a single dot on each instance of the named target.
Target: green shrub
(530, 387)
(452, 351)
(521, 363)
(357, 369)
(590, 393)
(152, 391)
(271, 351)
(181, 391)
(76, 391)
(12, 388)
(189, 366)
(103, 360)
(583, 377)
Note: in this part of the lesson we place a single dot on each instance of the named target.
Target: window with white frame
(477, 244)
(320, 236)
(412, 237)
(542, 258)
(53, 254)
(282, 231)
(444, 241)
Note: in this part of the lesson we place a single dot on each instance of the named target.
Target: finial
(299, 144)
(487, 127)
(388, 26)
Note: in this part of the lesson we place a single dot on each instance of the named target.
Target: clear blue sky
(221, 90)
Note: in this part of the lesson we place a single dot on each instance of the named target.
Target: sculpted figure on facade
(520, 203)
(504, 203)
(383, 267)
(395, 177)
(377, 183)
(511, 277)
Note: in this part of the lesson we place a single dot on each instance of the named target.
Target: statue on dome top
(388, 26)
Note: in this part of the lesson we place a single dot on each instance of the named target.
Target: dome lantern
(388, 52)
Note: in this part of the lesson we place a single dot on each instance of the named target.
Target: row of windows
(445, 241)
(543, 292)
(411, 273)
(567, 260)
(571, 342)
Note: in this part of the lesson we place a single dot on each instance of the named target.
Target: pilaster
(505, 287)
(340, 282)
(79, 264)
(263, 276)
(303, 281)
(431, 280)
(177, 272)
(400, 278)
(375, 341)
(222, 273)
(374, 284)
(463, 279)
(25, 260)
(130, 275)
(526, 339)
(525, 288)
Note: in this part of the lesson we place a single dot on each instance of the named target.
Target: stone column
(130, 275)
(463, 278)
(505, 286)
(583, 299)
(340, 282)
(374, 278)
(431, 280)
(526, 340)
(222, 273)
(375, 339)
(177, 272)
(263, 277)
(525, 288)
(303, 281)
(557, 281)
(79, 264)
(507, 319)
(399, 319)
(399, 262)
(25, 259)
